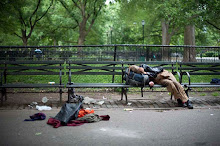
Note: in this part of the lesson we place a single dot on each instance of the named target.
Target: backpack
(135, 79)
(215, 81)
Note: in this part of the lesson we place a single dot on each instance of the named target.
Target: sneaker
(188, 104)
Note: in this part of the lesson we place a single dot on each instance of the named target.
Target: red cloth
(56, 123)
(105, 117)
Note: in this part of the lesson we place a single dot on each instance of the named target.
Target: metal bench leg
(5, 93)
(126, 97)
(142, 94)
(61, 95)
(2, 97)
(69, 93)
(187, 91)
(122, 92)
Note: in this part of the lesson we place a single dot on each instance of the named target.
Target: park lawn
(91, 78)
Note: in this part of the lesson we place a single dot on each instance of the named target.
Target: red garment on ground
(56, 123)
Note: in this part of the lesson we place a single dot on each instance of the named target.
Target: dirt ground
(15, 97)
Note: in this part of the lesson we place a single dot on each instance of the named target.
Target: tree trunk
(189, 39)
(24, 38)
(82, 36)
(166, 38)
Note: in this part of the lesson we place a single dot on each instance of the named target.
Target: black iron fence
(112, 52)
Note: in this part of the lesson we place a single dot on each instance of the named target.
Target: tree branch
(17, 35)
(35, 11)
(212, 25)
(71, 14)
(95, 14)
(44, 13)
(32, 26)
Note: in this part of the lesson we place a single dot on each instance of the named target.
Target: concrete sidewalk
(125, 128)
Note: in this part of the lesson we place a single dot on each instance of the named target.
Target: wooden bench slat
(32, 62)
(199, 68)
(31, 85)
(94, 67)
(31, 67)
(96, 73)
(34, 73)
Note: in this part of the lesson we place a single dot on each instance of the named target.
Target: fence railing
(126, 52)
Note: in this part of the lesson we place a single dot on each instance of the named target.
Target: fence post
(115, 54)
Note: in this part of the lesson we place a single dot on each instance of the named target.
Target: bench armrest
(180, 78)
(187, 73)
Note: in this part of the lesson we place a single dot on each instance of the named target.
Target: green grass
(89, 78)
(203, 94)
(215, 94)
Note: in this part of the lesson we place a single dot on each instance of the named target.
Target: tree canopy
(81, 22)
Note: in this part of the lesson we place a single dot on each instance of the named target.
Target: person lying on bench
(163, 77)
(141, 78)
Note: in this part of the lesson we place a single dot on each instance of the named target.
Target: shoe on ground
(188, 104)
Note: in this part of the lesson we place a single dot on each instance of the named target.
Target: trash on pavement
(32, 104)
(44, 99)
(38, 133)
(88, 100)
(40, 108)
(128, 109)
(100, 102)
(129, 103)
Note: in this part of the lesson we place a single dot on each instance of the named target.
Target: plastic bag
(69, 111)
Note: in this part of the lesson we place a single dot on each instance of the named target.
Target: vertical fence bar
(115, 54)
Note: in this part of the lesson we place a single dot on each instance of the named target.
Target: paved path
(145, 121)
(125, 128)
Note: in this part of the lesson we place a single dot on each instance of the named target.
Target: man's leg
(174, 87)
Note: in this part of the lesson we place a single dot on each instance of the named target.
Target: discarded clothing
(37, 116)
(56, 123)
(90, 118)
(83, 112)
(68, 112)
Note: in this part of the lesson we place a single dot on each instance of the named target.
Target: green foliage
(118, 22)
(215, 94)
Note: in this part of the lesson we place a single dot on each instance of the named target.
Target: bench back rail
(199, 68)
(30, 69)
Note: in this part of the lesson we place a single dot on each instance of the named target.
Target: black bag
(215, 81)
(152, 71)
(136, 79)
(69, 111)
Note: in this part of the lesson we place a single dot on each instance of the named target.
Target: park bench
(30, 70)
(198, 70)
(110, 72)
